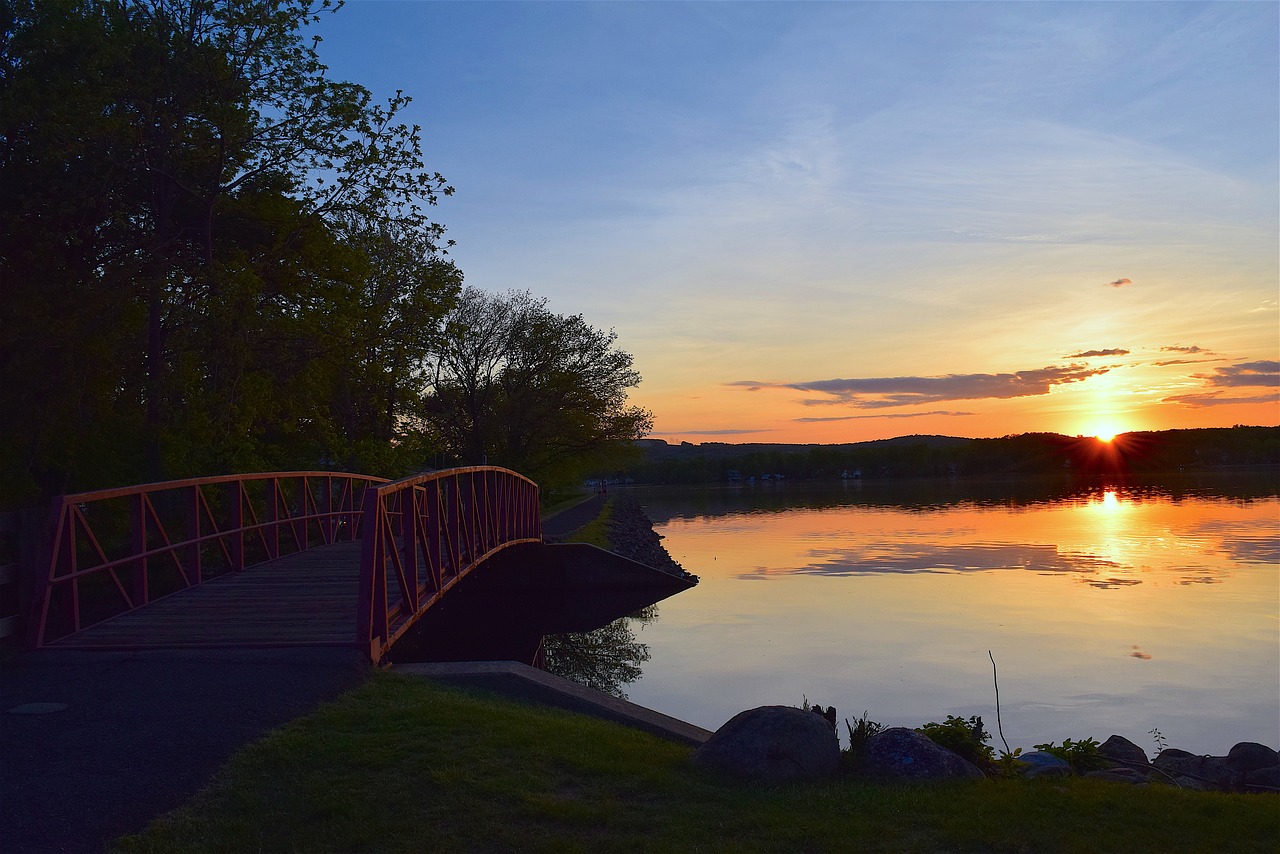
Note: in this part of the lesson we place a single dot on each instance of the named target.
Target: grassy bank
(595, 532)
(402, 765)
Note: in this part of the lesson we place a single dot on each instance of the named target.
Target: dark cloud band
(888, 392)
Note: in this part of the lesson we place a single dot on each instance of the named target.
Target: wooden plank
(304, 598)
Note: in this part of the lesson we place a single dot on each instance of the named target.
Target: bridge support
(502, 610)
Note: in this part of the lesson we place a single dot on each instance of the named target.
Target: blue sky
(766, 200)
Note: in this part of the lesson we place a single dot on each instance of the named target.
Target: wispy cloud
(887, 392)
(1120, 283)
(1216, 398)
(735, 432)
(1262, 373)
(1246, 375)
(1167, 362)
(1089, 354)
(884, 415)
(1178, 348)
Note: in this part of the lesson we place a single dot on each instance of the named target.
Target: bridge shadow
(503, 612)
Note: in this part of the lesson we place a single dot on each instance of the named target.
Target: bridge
(273, 559)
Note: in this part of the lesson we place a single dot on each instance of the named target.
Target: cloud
(1264, 373)
(710, 432)
(1216, 398)
(1120, 283)
(1178, 348)
(885, 415)
(888, 392)
(1089, 354)
(1261, 373)
(1167, 362)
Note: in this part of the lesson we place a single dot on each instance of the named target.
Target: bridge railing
(114, 550)
(424, 533)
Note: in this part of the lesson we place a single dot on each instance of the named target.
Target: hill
(1145, 452)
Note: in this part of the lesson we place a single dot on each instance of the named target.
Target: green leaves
(212, 255)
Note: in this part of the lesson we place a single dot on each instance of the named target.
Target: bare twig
(999, 724)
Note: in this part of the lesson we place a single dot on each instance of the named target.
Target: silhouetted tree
(512, 383)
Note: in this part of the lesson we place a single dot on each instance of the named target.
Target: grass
(595, 532)
(400, 764)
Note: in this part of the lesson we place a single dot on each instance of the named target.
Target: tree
(512, 383)
(203, 242)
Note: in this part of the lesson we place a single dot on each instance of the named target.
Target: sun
(1105, 435)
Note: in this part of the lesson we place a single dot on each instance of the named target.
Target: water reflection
(1111, 607)
(607, 659)
(1245, 487)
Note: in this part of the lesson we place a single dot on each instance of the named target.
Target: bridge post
(433, 545)
(409, 554)
(195, 561)
(235, 511)
(138, 542)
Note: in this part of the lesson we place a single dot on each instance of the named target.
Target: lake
(1117, 608)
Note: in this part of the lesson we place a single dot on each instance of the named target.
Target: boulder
(1212, 772)
(1123, 751)
(1250, 756)
(903, 754)
(1263, 780)
(1041, 764)
(773, 743)
(1119, 775)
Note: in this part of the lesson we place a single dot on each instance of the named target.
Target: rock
(1119, 775)
(1042, 764)
(1250, 756)
(1213, 771)
(1125, 752)
(1263, 780)
(631, 535)
(773, 743)
(903, 754)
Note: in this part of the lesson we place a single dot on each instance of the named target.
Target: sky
(837, 222)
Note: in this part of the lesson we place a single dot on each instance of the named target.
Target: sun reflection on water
(899, 606)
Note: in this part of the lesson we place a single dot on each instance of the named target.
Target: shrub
(1083, 756)
(851, 756)
(964, 737)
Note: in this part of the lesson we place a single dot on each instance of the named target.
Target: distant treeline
(945, 456)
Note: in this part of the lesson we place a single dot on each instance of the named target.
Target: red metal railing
(428, 531)
(115, 550)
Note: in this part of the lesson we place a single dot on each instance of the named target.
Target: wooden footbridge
(265, 560)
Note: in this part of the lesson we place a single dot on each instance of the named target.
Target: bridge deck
(303, 599)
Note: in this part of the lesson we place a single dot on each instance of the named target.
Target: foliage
(514, 384)
(402, 764)
(858, 735)
(964, 737)
(212, 256)
(1008, 764)
(945, 457)
(1083, 756)
(1161, 744)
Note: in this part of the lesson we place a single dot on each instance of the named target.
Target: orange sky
(970, 219)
